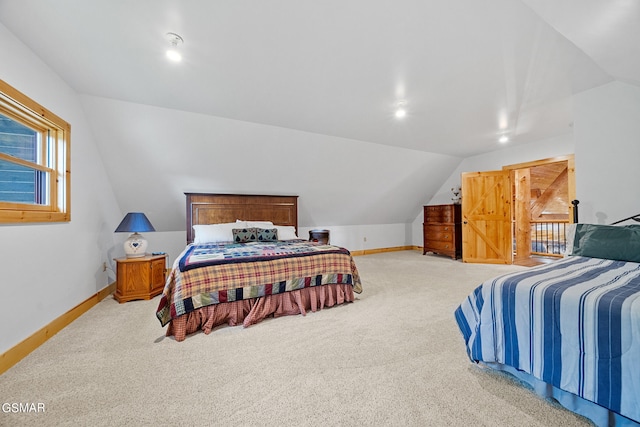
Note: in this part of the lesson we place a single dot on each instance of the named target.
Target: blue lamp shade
(135, 246)
(135, 222)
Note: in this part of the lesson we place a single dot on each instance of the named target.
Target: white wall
(606, 144)
(364, 237)
(495, 160)
(607, 132)
(50, 268)
(356, 189)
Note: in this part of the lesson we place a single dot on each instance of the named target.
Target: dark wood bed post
(575, 210)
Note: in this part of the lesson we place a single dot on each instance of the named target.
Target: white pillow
(256, 224)
(286, 232)
(241, 224)
(214, 233)
(259, 224)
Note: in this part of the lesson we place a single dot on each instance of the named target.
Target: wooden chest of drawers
(442, 230)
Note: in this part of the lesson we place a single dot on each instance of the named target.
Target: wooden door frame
(520, 213)
(571, 169)
(571, 190)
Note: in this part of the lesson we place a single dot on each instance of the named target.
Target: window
(35, 176)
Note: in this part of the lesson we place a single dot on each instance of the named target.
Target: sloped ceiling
(154, 155)
(608, 31)
(468, 72)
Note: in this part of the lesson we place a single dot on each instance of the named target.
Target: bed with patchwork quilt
(242, 283)
(244, 262)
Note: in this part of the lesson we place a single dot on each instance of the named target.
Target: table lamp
(135, 246)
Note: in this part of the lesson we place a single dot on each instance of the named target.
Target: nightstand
(320, 236)
(140, 278)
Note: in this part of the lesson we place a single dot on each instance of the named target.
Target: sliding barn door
(486, 217)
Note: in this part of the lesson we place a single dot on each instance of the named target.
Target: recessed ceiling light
(400, 110)
(172, 52)
(503, 139)
(174, 55)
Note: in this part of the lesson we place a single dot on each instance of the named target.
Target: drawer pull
(446, 228)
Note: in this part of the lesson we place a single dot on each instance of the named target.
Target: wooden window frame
(23, 109)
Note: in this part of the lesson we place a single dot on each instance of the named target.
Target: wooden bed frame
(207, 208)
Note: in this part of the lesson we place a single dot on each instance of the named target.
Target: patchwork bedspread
(216, 273)
(574, 323)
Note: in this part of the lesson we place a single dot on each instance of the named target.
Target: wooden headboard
(204, 208)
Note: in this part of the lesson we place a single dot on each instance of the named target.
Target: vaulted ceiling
(310, 83)
(468, 71)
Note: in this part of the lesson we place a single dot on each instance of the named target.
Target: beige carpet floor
(394, 357)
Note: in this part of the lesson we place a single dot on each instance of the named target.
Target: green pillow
(620, 243)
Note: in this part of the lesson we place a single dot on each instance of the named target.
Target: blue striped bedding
(574, 324)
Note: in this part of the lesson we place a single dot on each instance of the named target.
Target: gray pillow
(244, 235)
(267, 234)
